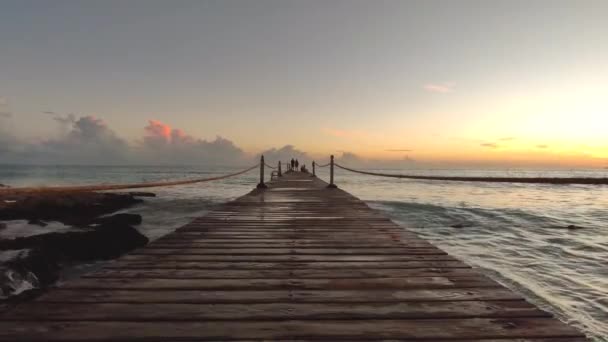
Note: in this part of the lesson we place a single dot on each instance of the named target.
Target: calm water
(516, 233)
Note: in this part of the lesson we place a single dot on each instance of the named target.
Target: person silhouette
(297, 164)
(293, 163)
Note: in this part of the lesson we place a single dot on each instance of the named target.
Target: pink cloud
(445, 87)
(157, 129)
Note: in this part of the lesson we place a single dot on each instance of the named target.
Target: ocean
(516, 233)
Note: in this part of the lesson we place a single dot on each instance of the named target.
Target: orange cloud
(157, 129)
(158, 134)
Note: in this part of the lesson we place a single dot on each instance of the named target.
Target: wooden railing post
(261, 184)
(331, 173)
(280, 173)
(313, 169)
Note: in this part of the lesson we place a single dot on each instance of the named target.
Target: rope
(542, 180)
(272, 167)
(13, 191)
(325, 165)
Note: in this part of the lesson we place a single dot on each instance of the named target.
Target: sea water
(515, 233)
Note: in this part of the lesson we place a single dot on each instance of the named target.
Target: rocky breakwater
(31, 262)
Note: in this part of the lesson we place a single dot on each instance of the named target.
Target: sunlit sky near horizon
(465, 81)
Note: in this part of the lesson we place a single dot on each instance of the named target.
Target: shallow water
(516, 232)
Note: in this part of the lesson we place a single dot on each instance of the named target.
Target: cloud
(445, 87)
(4, 111)
(489, 145)
(157, 134)
(542, 146)
(62, 119)
(399, 150)
(284, 154)
(350, 159)
(507, 139)
(89, 140)
(157, 129)
(164, 144)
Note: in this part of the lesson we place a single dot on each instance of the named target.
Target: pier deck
(296, 261)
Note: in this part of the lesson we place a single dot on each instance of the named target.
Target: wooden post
(279, 173)
(313, 169)
(261, 185)
(331, 173)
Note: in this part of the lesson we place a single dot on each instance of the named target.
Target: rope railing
(261, 185)
(527, 180)
(102, 187)
(541, 180)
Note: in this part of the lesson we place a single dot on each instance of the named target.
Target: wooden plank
(287, 234)
(275, 311)
(291, 245)
(329, 329)
(274, 284)
(285, 258)
(278, 274)
(178, 238)
(264, 227)
(147, 264)
(62, 295)
(154, 250)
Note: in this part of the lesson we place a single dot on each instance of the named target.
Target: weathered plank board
(278, 296)
(295, 262)
(288, 251)
(280, 274)
(308, 329)
(287, 257)
(274, 311)
(284, 265)
(271, 284)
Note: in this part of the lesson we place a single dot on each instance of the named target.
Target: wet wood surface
(296, 261)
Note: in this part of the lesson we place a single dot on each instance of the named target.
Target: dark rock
(142, 194)
(111, 237)
(28, 275)
(105, 242)
(29, 269)
(69, 208)
(124, 219)
(573, 227)
(458, 225)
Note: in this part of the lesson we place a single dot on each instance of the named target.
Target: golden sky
(435, 81)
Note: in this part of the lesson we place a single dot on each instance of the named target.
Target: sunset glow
(400, 81)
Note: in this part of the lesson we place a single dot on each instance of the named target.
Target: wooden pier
(294, 261)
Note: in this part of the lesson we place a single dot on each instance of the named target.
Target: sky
(501, 83)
